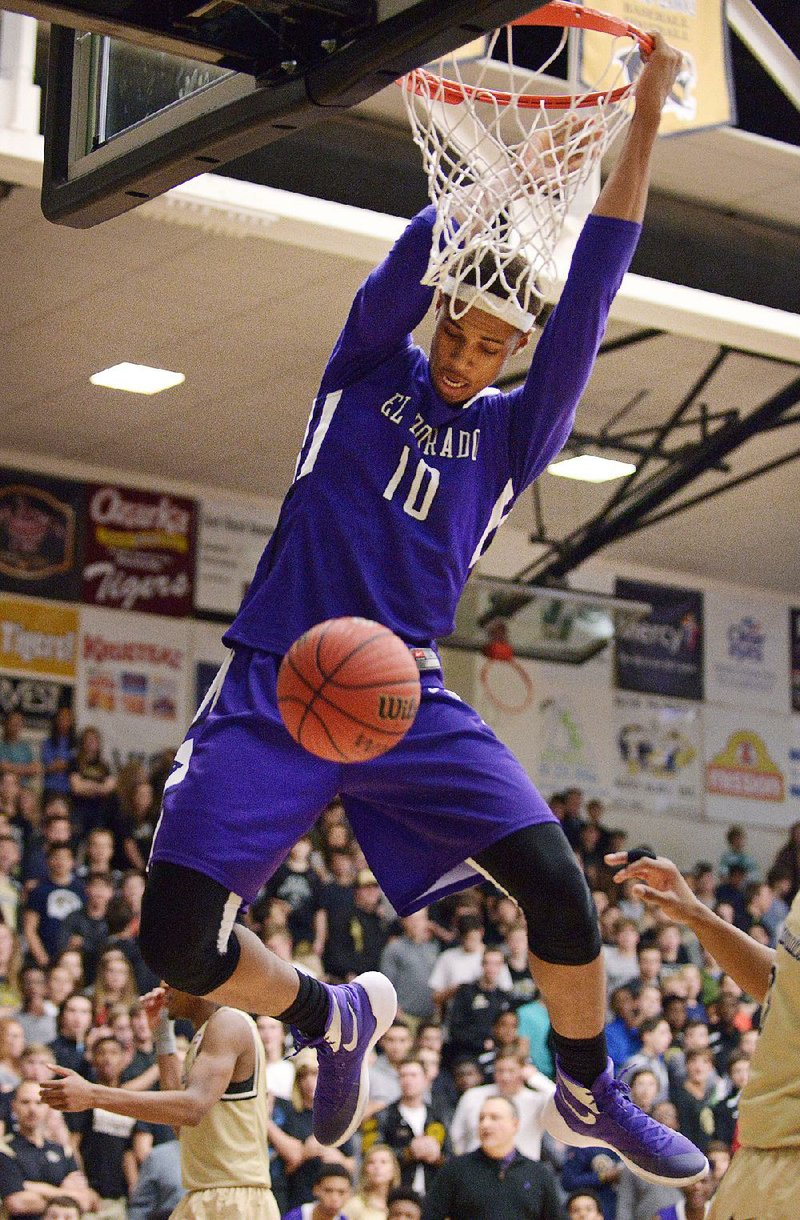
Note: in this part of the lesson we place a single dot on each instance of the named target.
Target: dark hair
(108, 1038)
(469, 923)
(584, 1194)
(498, 271)
(332, 1171)
(650, 1023)
(63, 1201)
(403, 1194)
(118, 915)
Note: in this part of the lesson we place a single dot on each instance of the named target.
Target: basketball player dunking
(218, 1101)
(408, 467)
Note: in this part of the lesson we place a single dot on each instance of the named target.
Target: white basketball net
(503, 172)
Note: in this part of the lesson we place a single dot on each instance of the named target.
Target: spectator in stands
(534, 1027)
(595, 809)
(656, 1037)
(98, 855)
(404, 1204)
(496, 1181)
(137, 827)
(86, 929)
(461, 964)
(115, 984)
(407, 961)
(332, 1189)
(523, 988)
(726, 1111)
(597, 1170)
(299, 888)
(413, 1129)
(10, 961)
(694, 1099)
(622, 1033)
(573, 816)
(736, 854)
(280, 1070)
(91, 783)
(622, 962)
(56, 753)
(674, 955)
(12, 1044)
(50, 903)
(59, 983)
(368, 927)
(384, 1077)
(34, 1169)
(338, 900)
(158, 1189)
(649, 1001)
(475, 1006)
(732, 891)
(380, 1172)
(16, 755)
(505, 1036)
(69, 1045)
(103, 1138)
(695, 1202)
(37, 1014)
(529, 1103)
(649, 963)
(583, 1205)
(121, 922)
(301, 1153)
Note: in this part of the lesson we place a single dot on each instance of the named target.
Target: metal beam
(626, 517)
(767, 46)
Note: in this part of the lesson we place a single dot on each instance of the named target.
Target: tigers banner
(702, 94)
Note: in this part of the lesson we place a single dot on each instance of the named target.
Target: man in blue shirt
(409, 465)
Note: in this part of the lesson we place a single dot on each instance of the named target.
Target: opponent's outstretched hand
(70, 1092)
(658, 884)
(656, 79)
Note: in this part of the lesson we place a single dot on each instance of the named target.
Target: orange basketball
(348, 690)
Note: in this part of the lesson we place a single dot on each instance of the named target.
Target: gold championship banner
(701, 96)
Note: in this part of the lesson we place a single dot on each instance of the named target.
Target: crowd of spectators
(460, 1080)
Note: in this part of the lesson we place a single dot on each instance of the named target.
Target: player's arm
(225, 1039)
(388, 306)
(660, 884)
(624, 194)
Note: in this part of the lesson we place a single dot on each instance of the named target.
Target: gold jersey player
(409, 465)
(763, 1182)
(218, 1102)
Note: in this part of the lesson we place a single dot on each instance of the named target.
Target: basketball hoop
(498, 650)
(504, 165)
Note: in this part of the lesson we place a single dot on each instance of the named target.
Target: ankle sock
(309, 1011)
(582, 1058)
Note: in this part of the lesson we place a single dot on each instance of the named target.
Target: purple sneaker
(605, 1117)
(360, 1013)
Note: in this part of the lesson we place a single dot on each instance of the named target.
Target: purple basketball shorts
(242, 792)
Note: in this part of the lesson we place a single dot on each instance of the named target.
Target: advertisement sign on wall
(658, 755)
(230, 541)
(663, 653)
(746, 652)
(41, 527)
(747, 767)
(132, 682)
(139, 550)
(38, 637)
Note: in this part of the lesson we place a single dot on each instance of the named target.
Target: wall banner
(663, 653)
(748, 757)
(702, 94)
(794, 638)
(38, 637)
(139, 550)
(230, 541)
(132, 682)
(746, 652)
(570, 748)
(658, 756)
(41, 532)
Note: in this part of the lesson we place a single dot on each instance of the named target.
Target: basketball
(348, 690)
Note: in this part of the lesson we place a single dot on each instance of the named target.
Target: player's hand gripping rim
(658, 883)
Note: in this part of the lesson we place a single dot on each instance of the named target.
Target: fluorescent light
(591, 469)
(137, 378)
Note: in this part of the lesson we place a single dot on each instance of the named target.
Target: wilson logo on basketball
(392, 707)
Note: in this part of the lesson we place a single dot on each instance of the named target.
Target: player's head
(332, 1188)
(481, 320)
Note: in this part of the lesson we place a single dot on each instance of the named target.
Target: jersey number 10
(423, 487)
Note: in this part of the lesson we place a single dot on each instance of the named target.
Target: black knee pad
(186, 931)
(537, 867)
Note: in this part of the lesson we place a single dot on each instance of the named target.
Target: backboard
(137, 103)
(542, 624)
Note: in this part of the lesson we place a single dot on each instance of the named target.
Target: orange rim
(512, 709)
(557, 13)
